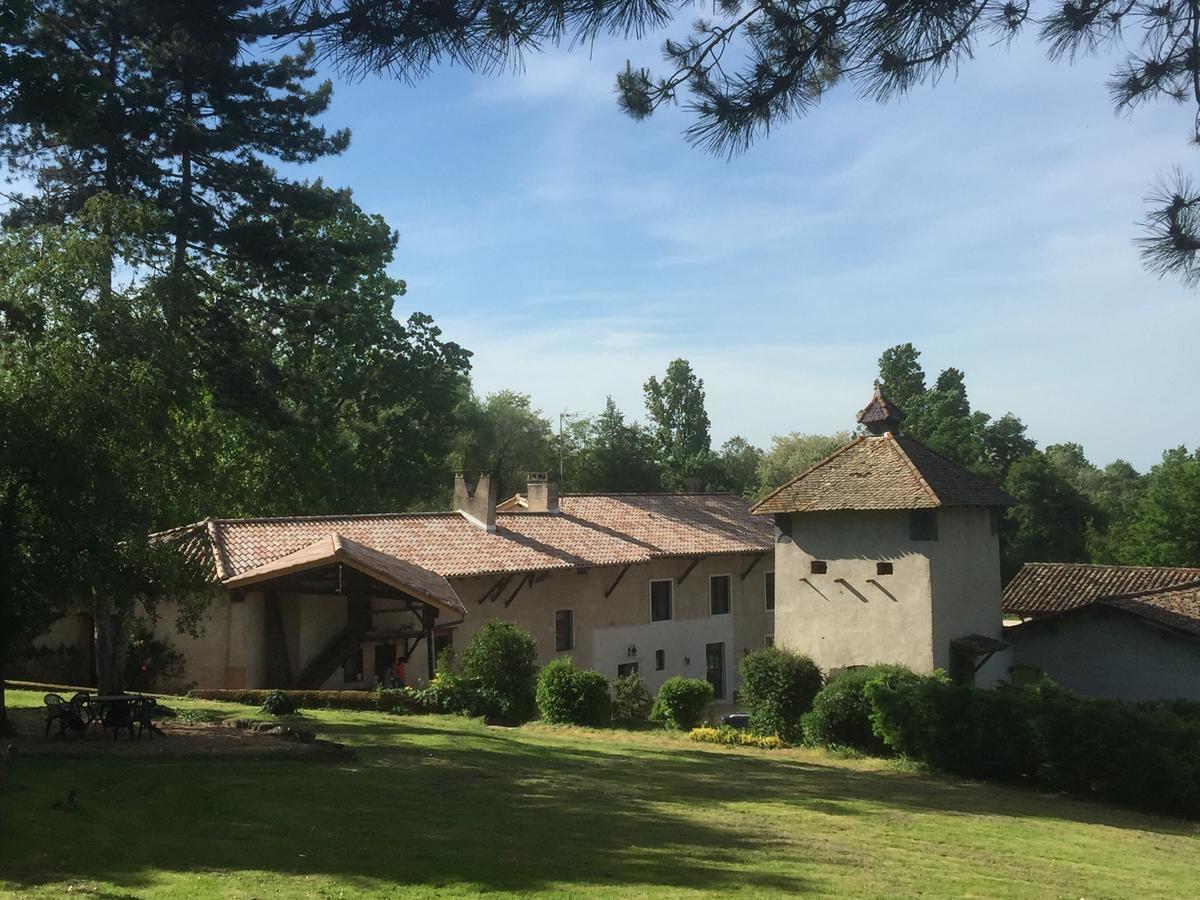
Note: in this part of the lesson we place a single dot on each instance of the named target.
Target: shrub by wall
(1144, 755)
(502, 662)
(841, 715)
(570, 696)
(681, 702)
(777, 688)
(631, 699)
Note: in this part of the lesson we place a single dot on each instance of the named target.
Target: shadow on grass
(433, 803)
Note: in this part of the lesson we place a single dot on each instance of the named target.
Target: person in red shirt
(399, 674)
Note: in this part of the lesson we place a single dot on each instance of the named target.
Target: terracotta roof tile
(590, 530)
(1044, 588)
(888, 471)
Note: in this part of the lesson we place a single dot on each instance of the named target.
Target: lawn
(442, 805)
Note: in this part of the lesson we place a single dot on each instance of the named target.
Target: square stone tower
(887, 552)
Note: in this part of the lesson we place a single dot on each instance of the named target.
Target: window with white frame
(661, 596)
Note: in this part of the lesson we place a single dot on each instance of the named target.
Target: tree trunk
(5, 726)
(112, 648)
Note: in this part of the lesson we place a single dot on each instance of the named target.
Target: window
(883, 568)
(626, 669)
(818, 567)
(660, 600)
(719, 589)
(352, 666)
(714, 668)
(564, 630)
(922, 524)
(769, 589)
(769, 640)
(660, 660)
(443, 640)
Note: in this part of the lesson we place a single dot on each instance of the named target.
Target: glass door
(714, 664)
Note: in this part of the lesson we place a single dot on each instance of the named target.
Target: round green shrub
(279, 703)
(841, 715)
(631, 699)
(502, 661)
(778, 687)
(681, 702)
(570, 696)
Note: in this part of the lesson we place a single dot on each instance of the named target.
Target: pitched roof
(589, 530)
(887, 471)
(334, 548)
(1043, 588)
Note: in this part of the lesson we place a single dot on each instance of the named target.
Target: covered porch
(316, 610)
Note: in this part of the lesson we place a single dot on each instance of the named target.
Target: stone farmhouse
(661, 584)
(888, 552)
(1119, 632)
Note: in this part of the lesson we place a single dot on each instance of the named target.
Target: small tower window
(923, 525)
(883, 568)
(819, 567)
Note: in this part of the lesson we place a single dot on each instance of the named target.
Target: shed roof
(1041, 588)
(878, 472)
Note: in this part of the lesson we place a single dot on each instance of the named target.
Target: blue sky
(988, 220)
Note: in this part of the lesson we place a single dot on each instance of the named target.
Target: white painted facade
(856, 613)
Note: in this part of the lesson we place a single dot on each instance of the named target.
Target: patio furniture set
(112, 712)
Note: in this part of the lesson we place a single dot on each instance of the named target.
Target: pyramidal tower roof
(880, 415)
(882, 469)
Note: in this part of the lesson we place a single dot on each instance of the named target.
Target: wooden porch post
(430, 614)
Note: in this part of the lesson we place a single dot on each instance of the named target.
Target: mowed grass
(438, 805)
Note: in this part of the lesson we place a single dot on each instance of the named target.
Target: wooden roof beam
(612, 587)
(688, 571)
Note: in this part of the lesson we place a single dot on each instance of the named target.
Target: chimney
(476, 499)
(541, 494)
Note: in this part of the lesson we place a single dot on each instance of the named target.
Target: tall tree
(736, 467)
(1166, 530)
(1051, 518)
(676, 410)
(608, 454)
(503, 434)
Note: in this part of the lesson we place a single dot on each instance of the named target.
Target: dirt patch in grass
(174, 739)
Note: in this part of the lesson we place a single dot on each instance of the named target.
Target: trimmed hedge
(570, 696)
(1143, 755)
(841, 714)
(401, 700)
(778, 687)
(681, 702)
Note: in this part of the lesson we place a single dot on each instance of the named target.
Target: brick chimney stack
(476, 499)
(541, 494)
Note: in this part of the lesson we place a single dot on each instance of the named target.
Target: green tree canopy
(503, 434)
(680, 424)
(607, 454)
(791, 454)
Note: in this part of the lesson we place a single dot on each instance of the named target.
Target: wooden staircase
(345, 642)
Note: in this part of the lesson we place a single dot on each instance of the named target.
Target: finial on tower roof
(880, 415)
